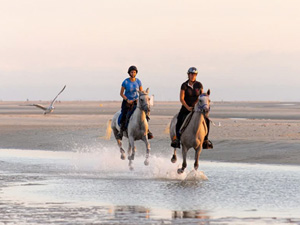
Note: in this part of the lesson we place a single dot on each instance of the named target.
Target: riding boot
(122, 129)
(150, 135)
(176, 141)
(207, 144)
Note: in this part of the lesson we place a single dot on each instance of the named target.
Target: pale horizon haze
(245, 50)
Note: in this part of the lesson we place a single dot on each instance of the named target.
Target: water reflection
(136, 211)
(194, 214)
(140, 212)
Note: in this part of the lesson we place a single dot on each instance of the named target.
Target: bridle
(145, 106)
(202, 108)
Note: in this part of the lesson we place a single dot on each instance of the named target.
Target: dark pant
(126, 111)
(180, 119)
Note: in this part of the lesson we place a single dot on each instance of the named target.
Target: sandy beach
(250, 132)
(62, 169)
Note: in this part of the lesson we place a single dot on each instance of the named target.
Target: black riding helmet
(192, 70)
(132, 68)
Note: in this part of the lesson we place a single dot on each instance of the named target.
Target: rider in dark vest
(129, 93)
(189, 94)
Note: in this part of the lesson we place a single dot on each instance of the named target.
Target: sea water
(97, 187)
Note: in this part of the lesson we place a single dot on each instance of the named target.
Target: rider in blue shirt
(131, 86)
(129, 93)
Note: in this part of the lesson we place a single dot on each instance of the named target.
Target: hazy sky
(243, 49)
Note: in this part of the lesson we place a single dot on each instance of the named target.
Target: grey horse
(137, 128)
(194, 133)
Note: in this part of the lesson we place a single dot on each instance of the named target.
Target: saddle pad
(119, 119)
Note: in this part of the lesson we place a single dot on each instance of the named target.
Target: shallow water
(97, 187)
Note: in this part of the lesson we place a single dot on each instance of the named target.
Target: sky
(245, 50)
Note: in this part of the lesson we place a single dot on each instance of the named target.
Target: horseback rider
(131, 86)
(189, 94)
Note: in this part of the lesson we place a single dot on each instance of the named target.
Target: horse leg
(122, 151)
(174, 157)
(145, 139)
(197, 155)
(129, 151)
(132, 151)
(129, 156)
(184, 153)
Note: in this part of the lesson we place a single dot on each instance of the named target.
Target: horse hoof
(131, 168)
(180, 171)
(122, 156)
(174, 159)
(146, 162)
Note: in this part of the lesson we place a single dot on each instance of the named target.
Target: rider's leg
(180, 119)
(150, 135)
(207, 143)
(208, 128)
(124, 110)
(130, 110)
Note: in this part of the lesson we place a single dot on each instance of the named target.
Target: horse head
(203, 104)
(144, 101)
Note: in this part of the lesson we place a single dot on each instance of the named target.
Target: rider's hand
(129, 101)
(190, 109)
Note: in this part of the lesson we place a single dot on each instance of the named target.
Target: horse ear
(147, 90)
(208, 92)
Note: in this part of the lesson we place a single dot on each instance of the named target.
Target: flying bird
(50, 108)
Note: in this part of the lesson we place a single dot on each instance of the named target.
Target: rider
(131, 86)
(189, 94)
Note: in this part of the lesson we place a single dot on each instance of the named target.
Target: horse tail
(167, 129)
(108, 130)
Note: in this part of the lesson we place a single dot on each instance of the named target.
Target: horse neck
(196, 121)
(140, 114)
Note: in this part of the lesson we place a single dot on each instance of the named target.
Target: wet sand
(250, 132)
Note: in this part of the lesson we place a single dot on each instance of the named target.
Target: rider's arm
(122, 93)
(182, 94)
(141, 88)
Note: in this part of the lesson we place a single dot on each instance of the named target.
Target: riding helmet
(132, 68)
(192, 70)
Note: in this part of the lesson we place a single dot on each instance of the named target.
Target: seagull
(50, 108)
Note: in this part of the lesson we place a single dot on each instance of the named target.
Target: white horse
(194, 133)
(137, 128)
